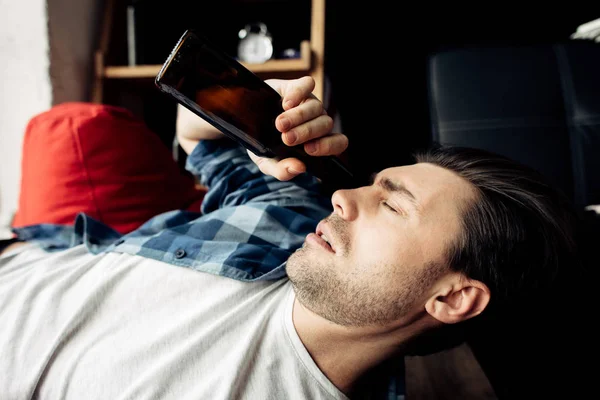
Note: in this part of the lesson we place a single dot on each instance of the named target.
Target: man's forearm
(10, 244)
(190, 129)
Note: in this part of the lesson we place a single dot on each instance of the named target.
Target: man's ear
(458, 299)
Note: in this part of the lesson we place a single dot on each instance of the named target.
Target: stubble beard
(345, 295)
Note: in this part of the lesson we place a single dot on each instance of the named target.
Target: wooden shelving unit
(310, 61)
(272, 66)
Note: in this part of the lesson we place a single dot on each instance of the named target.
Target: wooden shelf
(272, 66)
(310, 61)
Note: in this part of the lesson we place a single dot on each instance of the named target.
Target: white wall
(25, 88)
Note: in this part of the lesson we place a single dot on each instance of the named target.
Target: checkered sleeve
(234, 179)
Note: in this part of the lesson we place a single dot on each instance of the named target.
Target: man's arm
(191, 129)
(304, 120)
(10, 244)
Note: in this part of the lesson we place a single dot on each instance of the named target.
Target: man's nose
(344, 204)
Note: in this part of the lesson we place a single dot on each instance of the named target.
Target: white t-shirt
(74, 325)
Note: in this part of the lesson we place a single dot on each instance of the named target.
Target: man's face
(375, 258)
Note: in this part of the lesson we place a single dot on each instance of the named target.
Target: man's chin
(297, 258)
(300, 264)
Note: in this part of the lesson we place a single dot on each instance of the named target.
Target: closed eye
(385, 203)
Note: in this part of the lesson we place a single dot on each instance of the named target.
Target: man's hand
(303, 121)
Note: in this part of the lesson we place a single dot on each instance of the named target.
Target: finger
(333, 144)
(282, 170)
(314, 129)
(296, 91)
(306, 111)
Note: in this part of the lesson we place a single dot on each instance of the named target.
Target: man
(272, 291)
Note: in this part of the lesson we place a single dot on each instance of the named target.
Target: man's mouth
(322, 237)
(320, 241)
(325, 239)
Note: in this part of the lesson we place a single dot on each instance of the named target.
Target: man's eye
(390, 207)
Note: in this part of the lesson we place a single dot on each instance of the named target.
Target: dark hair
(518, 233)
(518, 230)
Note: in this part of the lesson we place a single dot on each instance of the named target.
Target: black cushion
(537, 104)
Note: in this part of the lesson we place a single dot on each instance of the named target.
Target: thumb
(283, 170)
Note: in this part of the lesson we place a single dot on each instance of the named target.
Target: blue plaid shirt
(248, 225)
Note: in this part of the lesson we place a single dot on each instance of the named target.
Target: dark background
(375, 56)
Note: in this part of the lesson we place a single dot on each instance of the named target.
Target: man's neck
(345, 354)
